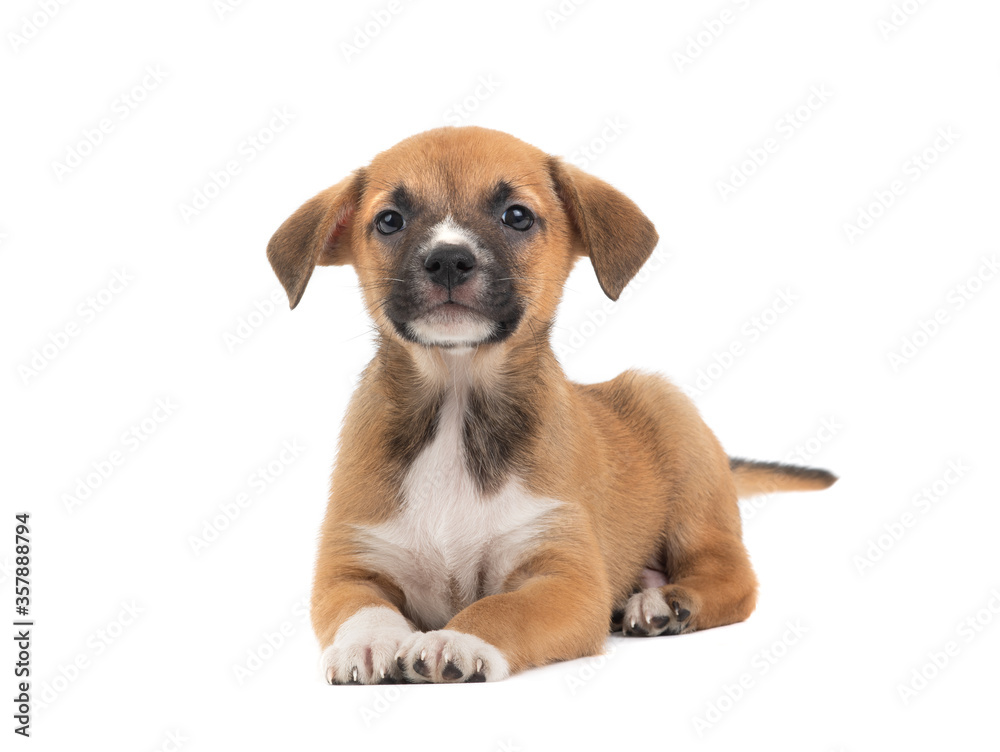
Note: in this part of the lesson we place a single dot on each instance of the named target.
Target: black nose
(450, 265)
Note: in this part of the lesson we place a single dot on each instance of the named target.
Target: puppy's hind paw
(655, 611)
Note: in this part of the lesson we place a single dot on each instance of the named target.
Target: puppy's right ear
(318, 233)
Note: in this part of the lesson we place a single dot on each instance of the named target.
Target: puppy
(487, 514)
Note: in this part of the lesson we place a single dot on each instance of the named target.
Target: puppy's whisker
(383, 183)
(534, 334)
(377, 285)
(528, 185)
(369, 330)
(526, 279)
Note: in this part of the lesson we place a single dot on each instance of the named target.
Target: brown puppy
(487, 514)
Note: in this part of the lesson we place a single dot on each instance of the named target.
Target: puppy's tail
(754, 477)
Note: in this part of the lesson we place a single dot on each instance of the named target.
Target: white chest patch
(448, 546)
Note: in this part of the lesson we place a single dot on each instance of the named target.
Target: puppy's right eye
(519, 217)
(389, 222)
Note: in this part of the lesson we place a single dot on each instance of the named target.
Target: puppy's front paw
(364, 648)
(655, 611)
(449, 656)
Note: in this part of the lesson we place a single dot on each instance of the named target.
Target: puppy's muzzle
(450, 265)
(452, 293)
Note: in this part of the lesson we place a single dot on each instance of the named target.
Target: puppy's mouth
(451, 324)
(454, 324)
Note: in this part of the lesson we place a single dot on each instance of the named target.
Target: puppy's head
(463, 237)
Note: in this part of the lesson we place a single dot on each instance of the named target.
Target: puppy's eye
(389, 222)
(518, 217)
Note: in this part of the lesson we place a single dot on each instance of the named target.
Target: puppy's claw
(447, 656)
(478, 675)
(650, 612)
(364, 648)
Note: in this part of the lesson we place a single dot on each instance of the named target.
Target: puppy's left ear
(608, 226)
(319, 232)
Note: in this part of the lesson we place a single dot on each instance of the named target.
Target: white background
(816, 380)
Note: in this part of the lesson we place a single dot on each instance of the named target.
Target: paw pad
(648, 614)
(447, 656)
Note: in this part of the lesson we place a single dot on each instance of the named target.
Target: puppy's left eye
(389, 222)
(518, 217)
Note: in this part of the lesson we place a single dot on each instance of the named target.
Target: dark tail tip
(763, 477)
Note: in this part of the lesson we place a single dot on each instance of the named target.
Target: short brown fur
(640, 476)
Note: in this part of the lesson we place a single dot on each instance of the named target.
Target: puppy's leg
(557, 609)
(709, 585)
(360, 627)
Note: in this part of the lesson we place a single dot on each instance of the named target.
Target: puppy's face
(460, 238)
(464, 237)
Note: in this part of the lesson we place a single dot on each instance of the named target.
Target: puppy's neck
(500, 394)
(500, 367)
(454, 369)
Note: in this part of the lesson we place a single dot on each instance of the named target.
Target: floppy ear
(319, 232)
(609, 227)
